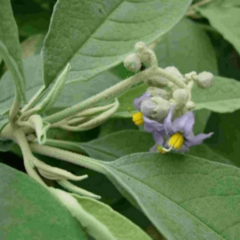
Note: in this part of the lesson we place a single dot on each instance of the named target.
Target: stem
(34, 99)
(71, 157)
(105, 95)
(191, 11)
(171, 78)
(15, 107)
(27, 154)
(74, 189)
(71, 146)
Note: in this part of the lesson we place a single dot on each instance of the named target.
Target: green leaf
(188, 48)
(96, 35)
(29, 211)
(74, 92)
(9, 33)
(226, 20)
(185, 197)
(222, 97)
(226, 138)
(118, 144)
(99, 220)
(33, 75)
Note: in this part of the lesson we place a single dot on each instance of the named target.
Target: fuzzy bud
(132, 63)
(147, 107)
(204, 80)
(190, 105)
(153, 91)
(181, 96)
(161, 110)
(145, 54)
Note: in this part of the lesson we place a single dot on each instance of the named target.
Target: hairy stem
(71, 157)
(105, 95)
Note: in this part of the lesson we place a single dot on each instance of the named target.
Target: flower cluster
(166, 107)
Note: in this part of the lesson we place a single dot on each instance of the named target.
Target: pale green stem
(34, 99)
(71, 157)
(15, 107)
(74, 189)
(163, 73)
(20, 138)
(98, 120)
(105, 95)
(32, 172)
(71, 146)
(82, 116)
(191, 11)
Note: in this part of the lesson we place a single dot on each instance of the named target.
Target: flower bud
(132, 63)
(147, 107)
(153, 91)
(145, 54)
(190, 105)
(181, 96)
(204, 80)
(161, 110)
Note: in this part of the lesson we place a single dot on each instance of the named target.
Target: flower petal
(168, 122)
(196, 140)
(137, 101)
(152, 126)
(158, 138)
(184, 123)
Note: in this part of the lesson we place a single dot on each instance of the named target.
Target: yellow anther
(176, 141)
(160, 149)
(137, 118)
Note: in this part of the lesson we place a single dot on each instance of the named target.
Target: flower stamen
(176, 141)
(138, 118)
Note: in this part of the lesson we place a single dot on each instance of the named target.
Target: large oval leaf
(96, 35)
(99, 220)
(184, 196)
(28, 211)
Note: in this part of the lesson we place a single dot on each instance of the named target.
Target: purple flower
(137, 101)
(157, 130)
(177, 134)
